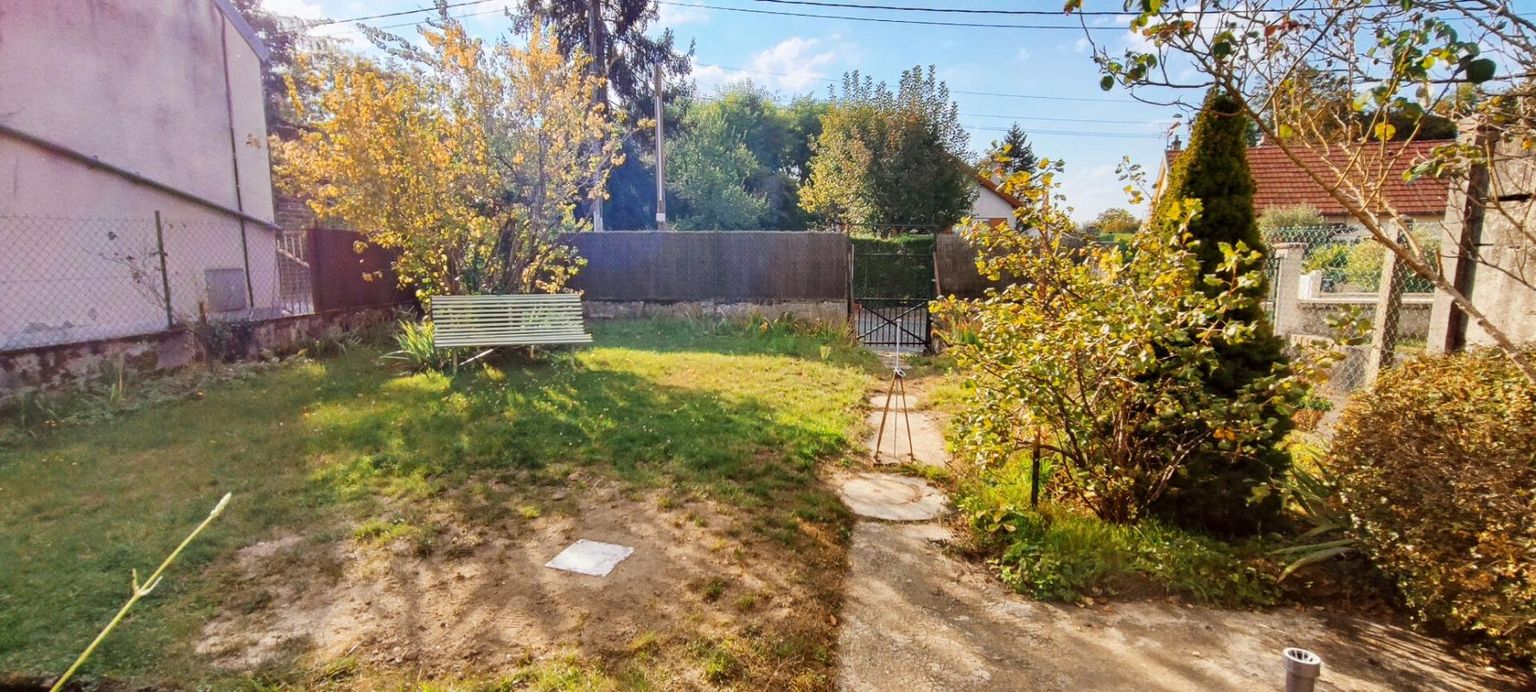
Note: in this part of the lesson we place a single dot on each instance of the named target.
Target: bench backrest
(508, 320)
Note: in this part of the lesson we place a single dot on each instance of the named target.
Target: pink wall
(140, 85)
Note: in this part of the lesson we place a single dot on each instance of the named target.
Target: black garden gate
(890, 285)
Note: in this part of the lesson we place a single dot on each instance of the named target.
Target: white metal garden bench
(492, 321)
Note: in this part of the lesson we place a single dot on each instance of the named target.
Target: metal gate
(890, 283)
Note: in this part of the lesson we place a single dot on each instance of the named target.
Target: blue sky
(1091, 129)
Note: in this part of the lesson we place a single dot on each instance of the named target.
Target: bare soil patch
(917, 618)
(704, 601)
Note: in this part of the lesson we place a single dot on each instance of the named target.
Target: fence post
(1389, 300)
(165, 277)
(1287, 287)
(317, 262)
(245, 254)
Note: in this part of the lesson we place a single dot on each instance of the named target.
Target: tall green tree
(1219, 489)
(890, 158)
(1014, 153)
(779, 139)
(710, 169)
(620, 36)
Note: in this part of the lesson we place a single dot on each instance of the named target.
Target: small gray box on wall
(226, 289)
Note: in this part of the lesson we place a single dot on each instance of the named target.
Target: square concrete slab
(590, 557)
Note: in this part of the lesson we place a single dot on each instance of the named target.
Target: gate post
(1287, 258)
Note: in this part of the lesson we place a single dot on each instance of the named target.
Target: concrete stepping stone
(892, 498)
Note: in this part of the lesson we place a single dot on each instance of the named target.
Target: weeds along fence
(1334, 282)
(72, 280)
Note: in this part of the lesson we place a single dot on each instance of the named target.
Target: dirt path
(915, 618)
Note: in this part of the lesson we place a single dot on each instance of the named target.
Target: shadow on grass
(741, 418)
(417, 433)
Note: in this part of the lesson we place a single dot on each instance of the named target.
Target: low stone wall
(1312, 315)
(824, 311)
(70, 364)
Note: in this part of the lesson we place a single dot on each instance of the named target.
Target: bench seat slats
(508, 320)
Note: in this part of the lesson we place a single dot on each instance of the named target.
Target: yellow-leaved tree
(467, 157)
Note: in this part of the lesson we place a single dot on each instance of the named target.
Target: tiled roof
(1280, 182)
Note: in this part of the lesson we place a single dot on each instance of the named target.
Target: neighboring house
(1279, 182)
(992, 205)
(112, 111)
(954, 258)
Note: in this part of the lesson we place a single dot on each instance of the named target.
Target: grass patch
(1059, 554)
(738, 414)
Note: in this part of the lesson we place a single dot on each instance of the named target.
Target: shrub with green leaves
(1106, 354)
(1436, 465)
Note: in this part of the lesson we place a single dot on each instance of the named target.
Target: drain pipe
(1302, 669)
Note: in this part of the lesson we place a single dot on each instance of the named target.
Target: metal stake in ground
(898, 383)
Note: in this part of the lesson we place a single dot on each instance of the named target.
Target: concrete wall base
(72, 364)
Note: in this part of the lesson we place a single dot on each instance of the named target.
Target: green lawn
(738, 414)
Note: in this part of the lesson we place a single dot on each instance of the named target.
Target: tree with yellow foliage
(468, 158)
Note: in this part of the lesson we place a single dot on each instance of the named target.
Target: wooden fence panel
(339, 271)
(722, 266)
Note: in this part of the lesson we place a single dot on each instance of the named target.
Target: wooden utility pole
(661, 160)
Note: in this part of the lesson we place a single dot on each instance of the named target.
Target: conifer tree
(1015, 147)
(1218, 490)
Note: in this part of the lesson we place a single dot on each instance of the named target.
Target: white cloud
(708, 78)
(345, 33)
(1135, 41)
(1082, 44)
(1022, 55)
(302, 9)
(795, 64)
(678, 15)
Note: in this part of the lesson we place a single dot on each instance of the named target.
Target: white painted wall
(140, 85)
(990, 205)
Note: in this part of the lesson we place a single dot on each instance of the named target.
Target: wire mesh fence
(67, 280)
(1335, 283)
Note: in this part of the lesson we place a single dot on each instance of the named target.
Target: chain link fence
(68, 280)
(1335, 283)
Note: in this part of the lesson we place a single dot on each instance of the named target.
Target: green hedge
(898, 267)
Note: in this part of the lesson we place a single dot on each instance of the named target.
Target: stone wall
(71, 364)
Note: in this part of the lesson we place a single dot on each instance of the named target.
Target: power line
(953, 10)
(401, 13)
(1044, 98)
(1038, 13)
(1074, 133)
(496, 10)
(818, 3)
(1072, 120)
(889, 20)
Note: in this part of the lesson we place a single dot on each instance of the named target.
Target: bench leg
(477, 356)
